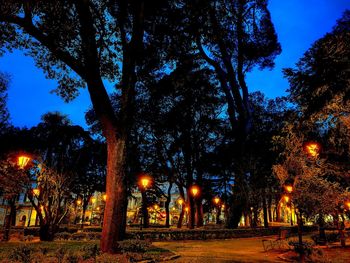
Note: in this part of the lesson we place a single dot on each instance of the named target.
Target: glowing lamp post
(36, 191)
(313, 149)
(288, 188)
(348, 204)
(216, 200)
(194, 191)
(144, 183)
(22, 161)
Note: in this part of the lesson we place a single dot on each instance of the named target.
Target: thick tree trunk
(144, 210)
(218, 213)
(269, 207)
(181, 217)
(85, 204)
(113, 221)
(266, 221)
(192, 214)
(47, 232)
(167, 214)
(199, 212)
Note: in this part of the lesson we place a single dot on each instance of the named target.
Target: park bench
(278, 242)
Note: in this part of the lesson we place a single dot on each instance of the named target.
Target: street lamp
(313, 149)
(194, 190)
(36, 191)
(216, 200)
(144, 183)
(22, 161)
(288, 188)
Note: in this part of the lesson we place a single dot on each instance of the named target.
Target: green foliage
(320, 81)
(60, 254)
(23, 253)
(90, 251)
(4, 114)
(133, 245)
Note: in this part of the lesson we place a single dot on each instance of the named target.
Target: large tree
(83, 42)
(231, 37)
(4, 114)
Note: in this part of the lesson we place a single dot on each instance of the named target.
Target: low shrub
(63, 236)
(79, 236)
(60, 254)
(133, 245)
(72, 257)
(22, 253)
(90, 251)
(306, 248)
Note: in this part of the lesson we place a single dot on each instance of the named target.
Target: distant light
(93, 199)
(286, 198)
(180, 201)
(104, 197)
(186, 209)
(78, 202)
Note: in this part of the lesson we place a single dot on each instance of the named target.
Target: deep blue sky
(298, 24)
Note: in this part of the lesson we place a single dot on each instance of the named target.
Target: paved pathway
(217, 251)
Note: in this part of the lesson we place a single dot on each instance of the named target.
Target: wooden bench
(278, 242)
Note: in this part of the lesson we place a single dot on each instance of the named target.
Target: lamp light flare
(180, 201)
(36, 191)
(93, 199)
(104, 197)
(312, 149)
(216, 200)
(22, 161)
(78, 202)
(289, 188)
(194, 190)
(286, 198)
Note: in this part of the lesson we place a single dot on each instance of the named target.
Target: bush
(306, 248)
(330, 237)
(90, 251)
(22, 253)
(133, 245)
(79, 236)
(72, 257)
(63, 236)
(60, 253)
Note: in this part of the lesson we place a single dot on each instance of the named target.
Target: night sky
(298, 24)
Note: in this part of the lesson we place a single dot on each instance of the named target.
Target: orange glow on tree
(180, 201)
(286, 198)
(78, 202)
(186, 209)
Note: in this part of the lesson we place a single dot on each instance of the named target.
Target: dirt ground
(239, 250)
